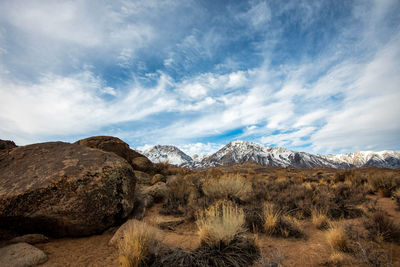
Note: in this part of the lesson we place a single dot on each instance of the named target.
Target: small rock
(30, 239)
(158, 191)
(142, 177)
(142, 164)
(21, 255)
(158, 178)
(170, 224)
(142, 203)
(7, 145)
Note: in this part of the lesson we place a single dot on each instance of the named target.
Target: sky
(314, 76)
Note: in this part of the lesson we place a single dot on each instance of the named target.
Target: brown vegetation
(250, 215)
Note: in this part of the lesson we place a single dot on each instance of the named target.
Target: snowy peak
(170, 154)
(243, 151)
(383, 159)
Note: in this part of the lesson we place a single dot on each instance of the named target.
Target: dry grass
(271, 216)
(320, 219)
(277, 224)
(220, 223)
(338, 238)
(140, 240)
(228, 186)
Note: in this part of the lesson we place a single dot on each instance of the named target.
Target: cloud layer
(305, 75)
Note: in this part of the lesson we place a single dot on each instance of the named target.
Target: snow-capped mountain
(243, 151)
(172, 154)
(383, 159)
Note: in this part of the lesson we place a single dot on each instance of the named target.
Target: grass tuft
(140, 240)
(320, 219)
(220, 223)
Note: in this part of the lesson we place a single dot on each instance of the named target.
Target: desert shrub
(396, 196)
(339, 201)
(178, 195)
(139, 243)
(320, 219)
(229, 186)
(278, 224)
(220, 228)
(165, 168)
(338, 238)
(370, 253)
(382, 228)
(220, 223)
(291, 197)
(384, 183)
(261, 189)
(254, 216)
(240, 252)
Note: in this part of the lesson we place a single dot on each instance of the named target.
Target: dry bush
(220, 223)
(229, 186)
(370, 253)
(165, 168)
(291, 197)
(340, 200)
(382, 228)
(384, 183)
(320, 219)
(240, 252)
(178, 195)
(277, 224)
(139, 243)
(338, 238)
(396, 195)
(254, 215)
(260, 186)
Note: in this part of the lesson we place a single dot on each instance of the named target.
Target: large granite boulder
(119, 147)
(63, 189)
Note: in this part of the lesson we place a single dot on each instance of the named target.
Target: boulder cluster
(63, 189)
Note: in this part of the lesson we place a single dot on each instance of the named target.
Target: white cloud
(368, 118)
(200, 148)
(292, 139)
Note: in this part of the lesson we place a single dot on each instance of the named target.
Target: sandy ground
(312, 251)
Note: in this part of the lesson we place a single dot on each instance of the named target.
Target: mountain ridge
(244, 151)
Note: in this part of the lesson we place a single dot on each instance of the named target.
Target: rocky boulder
(7, 145)
(30, 239)
(142, 177)
(21, 255)
(158, 178)
(143, 164)
(119, 147)
(63, 189)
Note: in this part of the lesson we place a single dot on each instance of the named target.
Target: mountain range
(244, 151)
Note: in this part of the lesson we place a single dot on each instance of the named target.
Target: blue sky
(315, 76)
